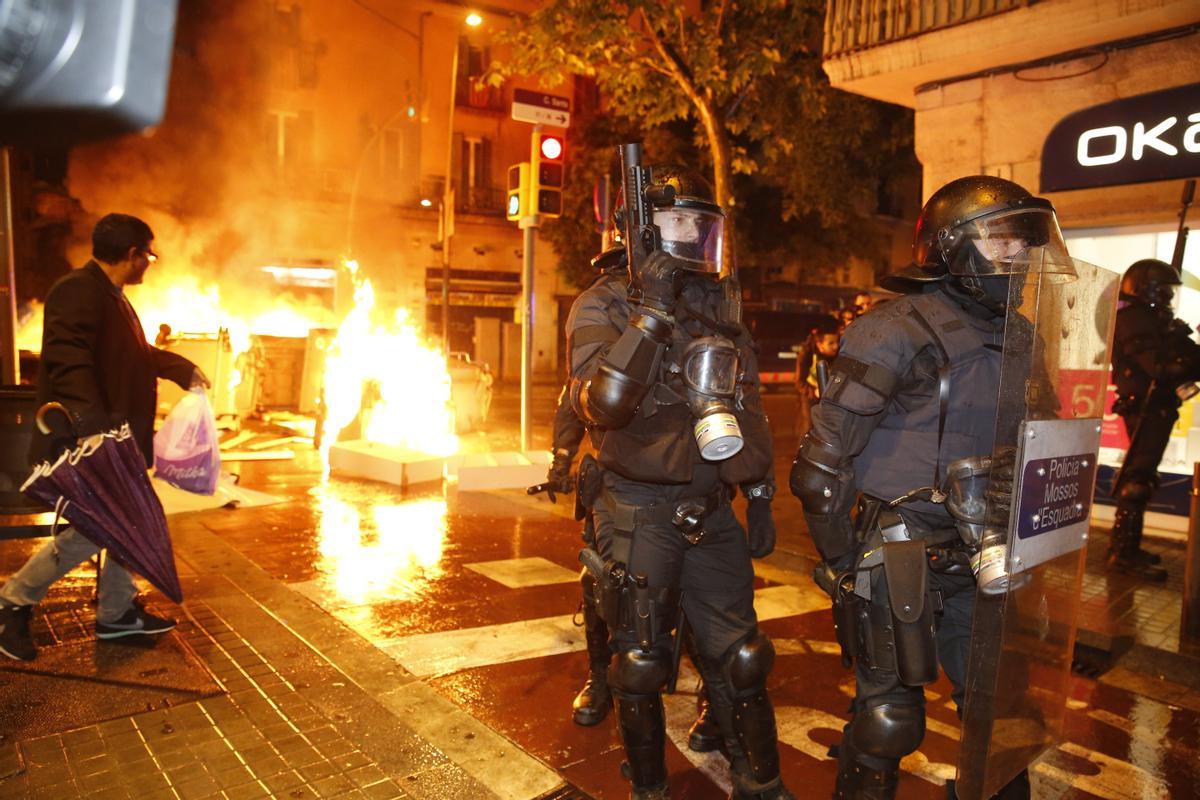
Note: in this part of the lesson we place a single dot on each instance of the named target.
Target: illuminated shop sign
(1150, 137)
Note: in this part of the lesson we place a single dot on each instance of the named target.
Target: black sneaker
(15, 641)
(137, 621)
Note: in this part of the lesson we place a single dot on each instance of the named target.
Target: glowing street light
(474, 20)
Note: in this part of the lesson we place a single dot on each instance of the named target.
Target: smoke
(195, 177)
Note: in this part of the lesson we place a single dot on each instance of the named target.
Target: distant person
(821, 347)
(863, 302)
(846, 316)
(96, 362)
(1155, 362)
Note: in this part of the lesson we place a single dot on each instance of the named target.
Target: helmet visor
(1016, 242)
(693, 235)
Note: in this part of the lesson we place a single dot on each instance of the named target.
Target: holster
(589, 480)
(906, 568)
(847, 608)
(647, 612)
(606, 598)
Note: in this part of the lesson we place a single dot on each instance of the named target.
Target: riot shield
(1054, 373)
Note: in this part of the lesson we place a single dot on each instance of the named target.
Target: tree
(746, 74)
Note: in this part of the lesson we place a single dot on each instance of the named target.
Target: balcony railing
(484, 98)
(858, 24)
(481, 200)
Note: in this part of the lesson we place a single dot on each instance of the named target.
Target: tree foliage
(744, 79)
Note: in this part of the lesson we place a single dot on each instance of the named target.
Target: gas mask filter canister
(710, 366)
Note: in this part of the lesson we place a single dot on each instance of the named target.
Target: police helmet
(693, 227)
(982, 227)
(1150, 282)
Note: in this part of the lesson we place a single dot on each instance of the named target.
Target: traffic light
(517, 204)
(547, 168)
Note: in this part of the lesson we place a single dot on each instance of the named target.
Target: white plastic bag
(186, 450)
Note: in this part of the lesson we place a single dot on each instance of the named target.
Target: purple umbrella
(104, 492)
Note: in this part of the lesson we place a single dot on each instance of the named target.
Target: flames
(379, 367)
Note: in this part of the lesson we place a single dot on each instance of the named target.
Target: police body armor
(920, 436)
(657, 446)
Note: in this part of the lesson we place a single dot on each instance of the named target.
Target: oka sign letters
(1150, 137)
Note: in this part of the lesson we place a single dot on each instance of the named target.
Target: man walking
(97, 363)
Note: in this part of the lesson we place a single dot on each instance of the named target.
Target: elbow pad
(612, 396)
(816, 478)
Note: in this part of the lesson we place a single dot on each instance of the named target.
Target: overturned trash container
(18, 404)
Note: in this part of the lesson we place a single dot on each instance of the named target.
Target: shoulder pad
(876, 352)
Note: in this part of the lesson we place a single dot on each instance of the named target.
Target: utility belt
(884, 610)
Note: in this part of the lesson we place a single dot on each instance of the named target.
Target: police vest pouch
(906, 569)
(659, 449)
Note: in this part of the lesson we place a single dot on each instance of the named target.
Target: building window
(476, 191)
(472, 63)
(289, 139)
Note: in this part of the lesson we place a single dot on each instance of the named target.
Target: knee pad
(748, 663)
(888, 730)
(636, 672)
(1135, 491)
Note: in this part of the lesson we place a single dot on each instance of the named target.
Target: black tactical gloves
(759, 519)
(659, 279)
(558, 477)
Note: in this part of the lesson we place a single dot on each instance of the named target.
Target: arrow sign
(541, 108)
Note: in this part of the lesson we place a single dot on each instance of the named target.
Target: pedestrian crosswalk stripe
(516, 573)
(445, 652)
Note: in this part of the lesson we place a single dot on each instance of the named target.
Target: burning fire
(377, 368)
(381, 368)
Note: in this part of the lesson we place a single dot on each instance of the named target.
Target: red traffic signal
(551, 148)
(547, 173)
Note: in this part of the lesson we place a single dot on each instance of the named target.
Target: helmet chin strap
(990, 293)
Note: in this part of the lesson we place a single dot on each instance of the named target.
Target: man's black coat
(97, 363)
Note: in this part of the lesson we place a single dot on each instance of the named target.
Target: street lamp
(472, 20)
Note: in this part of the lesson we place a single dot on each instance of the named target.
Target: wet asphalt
(427, 634)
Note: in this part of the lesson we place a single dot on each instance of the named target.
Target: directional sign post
(541, 108)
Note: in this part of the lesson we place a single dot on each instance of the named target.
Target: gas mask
(710, 369)
(964, 486)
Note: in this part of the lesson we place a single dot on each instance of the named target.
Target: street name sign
(541, 108)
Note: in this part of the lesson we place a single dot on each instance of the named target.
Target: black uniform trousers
(1143, 457)
(715, 576)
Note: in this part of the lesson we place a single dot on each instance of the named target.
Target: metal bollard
(1189, 621)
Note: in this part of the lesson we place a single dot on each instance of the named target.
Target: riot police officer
(591, 705)
(1154, 359)
(671, 389)
(912, 390)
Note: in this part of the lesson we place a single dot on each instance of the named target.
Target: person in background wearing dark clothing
(97, 363)
(821, 347)
(669, 385)
(1155, 362)
(594, 700)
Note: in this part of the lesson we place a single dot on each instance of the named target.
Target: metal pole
(1189, 621)
(448, 202)
(529, 225)
(10, 365)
